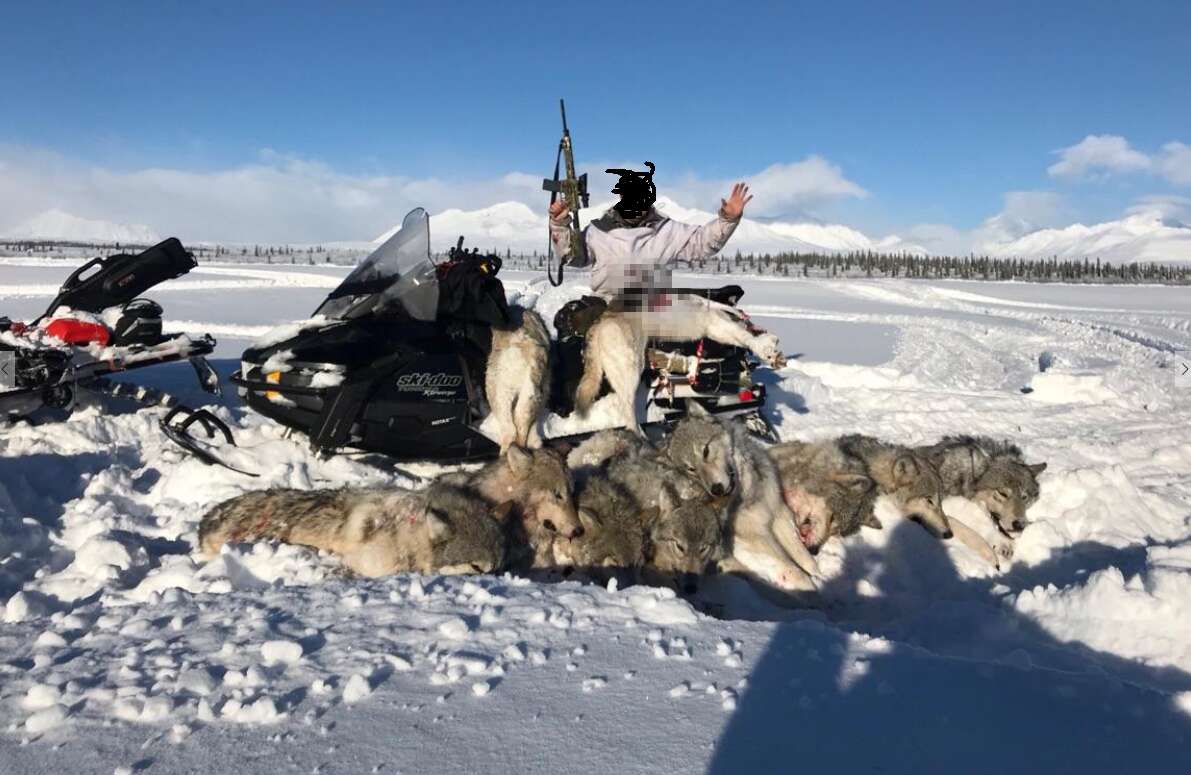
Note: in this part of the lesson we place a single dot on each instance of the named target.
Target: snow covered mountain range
(1141, 236)
(514, 225)
(1138, 237)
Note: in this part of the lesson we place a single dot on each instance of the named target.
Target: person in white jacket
(633, 245)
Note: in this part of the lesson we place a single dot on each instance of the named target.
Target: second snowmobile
(98, 326)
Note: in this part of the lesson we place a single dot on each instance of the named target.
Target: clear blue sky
(936, 109)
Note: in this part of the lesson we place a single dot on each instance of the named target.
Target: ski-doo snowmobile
(96, 326)
(392, 361)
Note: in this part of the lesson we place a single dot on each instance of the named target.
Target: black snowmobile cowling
(387, 373)
(102, 283)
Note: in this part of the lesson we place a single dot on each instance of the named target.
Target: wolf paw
(1003, 549)
(769, 349)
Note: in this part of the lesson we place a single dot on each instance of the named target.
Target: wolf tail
(590, 383)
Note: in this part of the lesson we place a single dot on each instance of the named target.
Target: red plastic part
(78, 332)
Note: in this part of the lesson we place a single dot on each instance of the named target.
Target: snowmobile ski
(178, 431)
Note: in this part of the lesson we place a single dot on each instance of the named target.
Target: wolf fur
(615, 348)
(615, 530)
(761, 538)
(686, 540)
(694, 461)
(827, 488)
(375, 531)
(538, 484)
(517, 382)
(832, 487)
(906, 476)
(992, 473)
(596, 452)
(672, 544)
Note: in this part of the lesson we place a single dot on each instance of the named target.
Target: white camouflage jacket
(623, 257)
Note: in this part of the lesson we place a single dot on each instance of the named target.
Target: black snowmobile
(97, 326)
(393, 361)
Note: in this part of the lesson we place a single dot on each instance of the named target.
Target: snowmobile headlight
(273, 378)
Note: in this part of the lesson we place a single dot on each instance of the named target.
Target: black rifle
(573, 189)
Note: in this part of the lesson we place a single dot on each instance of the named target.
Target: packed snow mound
(58, 225)
(1141, 237)
(1071, 388)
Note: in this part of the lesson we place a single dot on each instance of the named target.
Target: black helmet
(636, 189)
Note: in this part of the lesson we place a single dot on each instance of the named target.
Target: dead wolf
(517, 380)
(538, 484)
(992, 473)
(375, 531)
(615, 347)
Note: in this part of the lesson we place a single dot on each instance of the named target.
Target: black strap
(550, 239)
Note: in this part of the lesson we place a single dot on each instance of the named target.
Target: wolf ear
(870, 520)
(905, 469)
(857, 482)
(1036, 468)
(503, 512)
(696, 409)
(440, 529)
(520, 459)
(667, 501)
(589, 521)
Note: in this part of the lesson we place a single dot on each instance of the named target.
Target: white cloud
(791, 189)
(940, 238)
(1174, 163)
(276, 199)
(1169, 208)
(283, 198)
(1098, 156)
(1022, 213)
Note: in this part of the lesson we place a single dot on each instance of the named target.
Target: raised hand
(733, 207)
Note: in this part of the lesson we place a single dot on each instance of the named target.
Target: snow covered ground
(121, 651)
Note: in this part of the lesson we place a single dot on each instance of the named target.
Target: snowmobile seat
(118, 279)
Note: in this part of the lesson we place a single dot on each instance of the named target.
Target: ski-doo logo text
(423, 380)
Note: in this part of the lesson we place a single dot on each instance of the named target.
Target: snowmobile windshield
(396, 279)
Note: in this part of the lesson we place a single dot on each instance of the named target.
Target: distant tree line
(868, 264)
(863, 264)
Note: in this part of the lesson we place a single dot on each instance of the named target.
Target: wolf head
(1007, 488)
(685, 540)
(835, 505)
(918, 492)
(543, 488)
(465, 534)
(702, 447)
(614, 534)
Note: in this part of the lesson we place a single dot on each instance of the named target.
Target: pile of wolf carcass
(708, 498)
